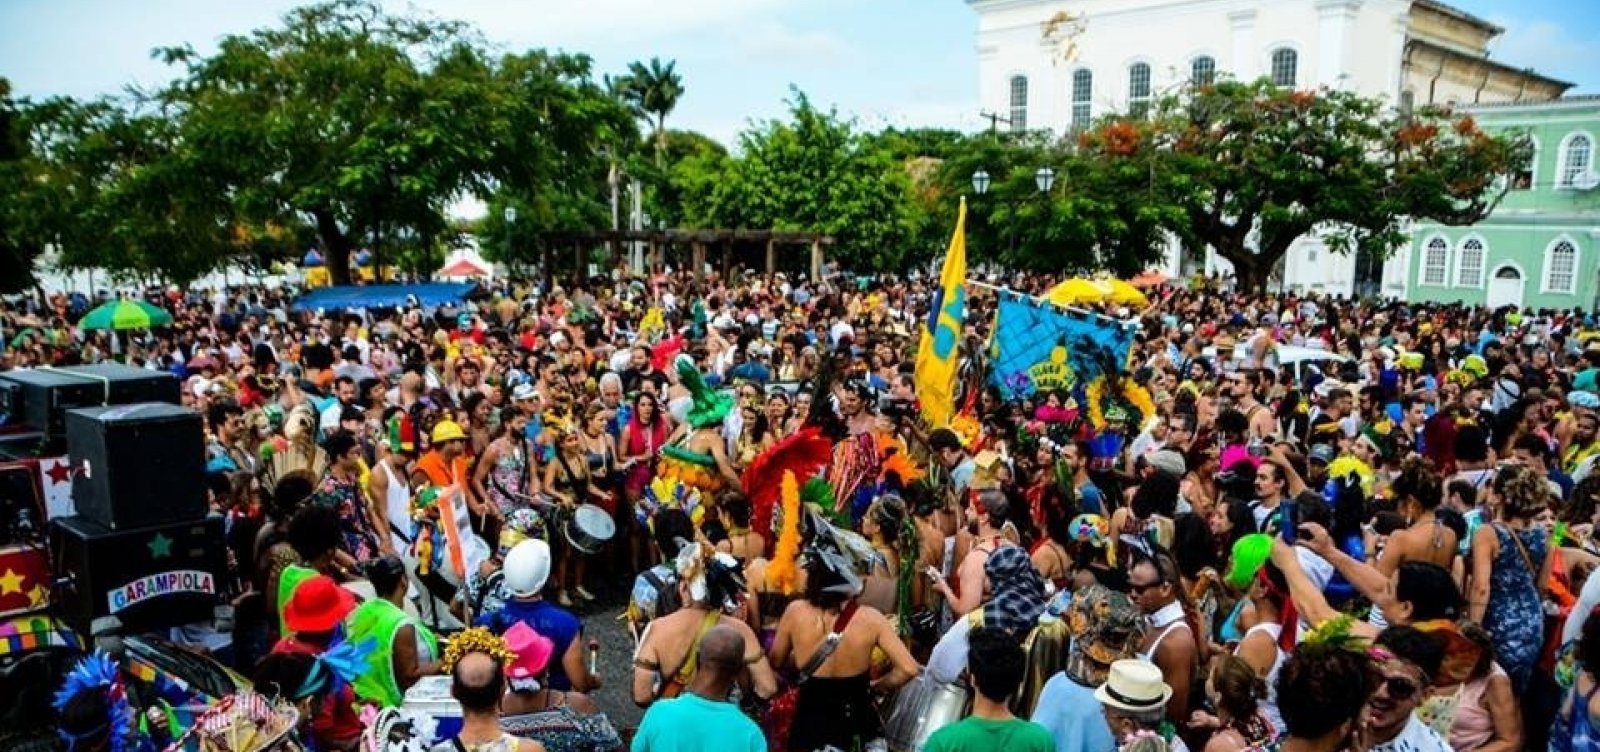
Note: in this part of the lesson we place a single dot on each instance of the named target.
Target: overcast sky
(895, 62)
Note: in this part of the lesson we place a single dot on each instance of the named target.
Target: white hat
(1135, 686)
(527, 568)
(524, 391)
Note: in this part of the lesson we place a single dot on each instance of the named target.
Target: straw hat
(1135, 686)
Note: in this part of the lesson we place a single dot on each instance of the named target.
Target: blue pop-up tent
(345, 297)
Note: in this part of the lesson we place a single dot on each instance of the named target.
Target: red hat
(318, 605)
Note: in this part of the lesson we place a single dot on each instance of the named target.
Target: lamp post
(1044, 179)
(510, 216)
(980, 181)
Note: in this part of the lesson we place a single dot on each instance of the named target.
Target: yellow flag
(941, 333)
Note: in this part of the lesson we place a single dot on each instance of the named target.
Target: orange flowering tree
(1248, 168)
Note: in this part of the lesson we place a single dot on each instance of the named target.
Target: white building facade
(1126, 53)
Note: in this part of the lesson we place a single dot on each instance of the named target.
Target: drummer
(526, 572)
(569, 479)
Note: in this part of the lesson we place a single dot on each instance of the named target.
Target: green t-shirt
(983, 735)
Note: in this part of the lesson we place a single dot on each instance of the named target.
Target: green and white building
(1540, 248)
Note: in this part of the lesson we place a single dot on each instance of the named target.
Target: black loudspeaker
(150, 578)
(40, 397)
(137, 465)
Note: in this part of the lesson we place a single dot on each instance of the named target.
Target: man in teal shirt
(702, 718)
(996, 663)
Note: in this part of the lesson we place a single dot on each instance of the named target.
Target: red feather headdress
(804, 453)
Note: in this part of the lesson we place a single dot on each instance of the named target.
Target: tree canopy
(1249, 168)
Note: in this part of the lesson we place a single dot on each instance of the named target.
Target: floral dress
(1514, 617)
(355, 530)
(507, 477)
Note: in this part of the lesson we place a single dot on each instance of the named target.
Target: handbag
(780, 712)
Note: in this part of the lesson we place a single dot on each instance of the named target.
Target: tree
(653, 91)
(1248, 168)
(16, 252)
(363, 122)
(112, 186)
(555, 131)
(813, 172)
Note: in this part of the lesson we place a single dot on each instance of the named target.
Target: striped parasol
(125, 314)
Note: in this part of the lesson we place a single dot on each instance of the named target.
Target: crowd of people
(1390, 551)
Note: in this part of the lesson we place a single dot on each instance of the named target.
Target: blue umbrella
(312, 258)
(363, 257)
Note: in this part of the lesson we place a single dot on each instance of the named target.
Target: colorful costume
(678, 462)
(378, 622)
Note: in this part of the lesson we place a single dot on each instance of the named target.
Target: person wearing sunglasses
(1404, 659)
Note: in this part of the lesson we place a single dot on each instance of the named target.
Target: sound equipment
(40, 397)
(137, 465)
(150, 578)
(24, 579)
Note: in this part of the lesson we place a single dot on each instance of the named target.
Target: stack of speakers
(141, 546)
(34, 402)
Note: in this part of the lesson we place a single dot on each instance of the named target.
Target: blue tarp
(345, 297)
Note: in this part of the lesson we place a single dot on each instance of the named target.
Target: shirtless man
(663, 665)
(985, 516)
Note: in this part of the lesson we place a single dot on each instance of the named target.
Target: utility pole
(994, 119)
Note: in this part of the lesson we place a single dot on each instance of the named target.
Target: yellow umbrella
(1075, 292)
(1123, 293)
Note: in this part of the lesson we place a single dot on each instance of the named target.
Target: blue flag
(1039, 347)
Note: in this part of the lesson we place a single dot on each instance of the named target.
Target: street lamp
(510, 215)
(1044, 178)
(980, 181)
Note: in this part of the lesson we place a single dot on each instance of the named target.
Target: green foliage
(17, 251)
(652, 91)
(814, 172)
(1248, 168)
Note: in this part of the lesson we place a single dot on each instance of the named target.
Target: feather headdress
(710, 406)
(782, 572)
(803, 454)
(97, 672)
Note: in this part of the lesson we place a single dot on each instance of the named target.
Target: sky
(884, 62)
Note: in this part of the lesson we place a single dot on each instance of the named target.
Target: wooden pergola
(657, 241)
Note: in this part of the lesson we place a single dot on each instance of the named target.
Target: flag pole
(1132, 324)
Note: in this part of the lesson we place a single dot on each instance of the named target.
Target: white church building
(1058, 64)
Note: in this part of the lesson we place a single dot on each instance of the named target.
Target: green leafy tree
(17, 252)
(813, 172)
(366, 123)
(1248, 168)
(555, 131)
(112, 186)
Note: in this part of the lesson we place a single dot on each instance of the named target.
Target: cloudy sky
(898, 62)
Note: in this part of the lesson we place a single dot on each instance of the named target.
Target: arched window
(1082, 93)
(1469, 263)
(1561, 267)
(1138, 89)
(1285, 67)
(1203, 71)
(1019, 103)
(1577, 161)
(1435, 262)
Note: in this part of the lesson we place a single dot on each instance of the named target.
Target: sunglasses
(1138, 589)
(1401, 688)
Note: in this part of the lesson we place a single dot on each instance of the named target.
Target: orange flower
(1467, 126)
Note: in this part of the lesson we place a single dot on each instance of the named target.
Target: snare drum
(24, 579)
(589, 528)
(922, 707)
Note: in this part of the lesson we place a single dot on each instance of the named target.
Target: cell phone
(1291, 521)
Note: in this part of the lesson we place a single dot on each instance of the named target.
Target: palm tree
(653, 90)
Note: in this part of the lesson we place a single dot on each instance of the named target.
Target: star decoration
(60, 472)
(11, 582)
(160, 546)
(38, 596)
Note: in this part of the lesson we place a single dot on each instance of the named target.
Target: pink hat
(533, 651)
